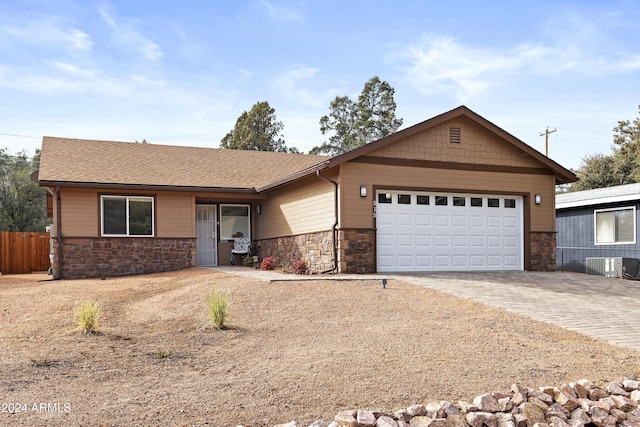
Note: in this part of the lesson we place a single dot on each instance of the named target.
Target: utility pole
(546, 139)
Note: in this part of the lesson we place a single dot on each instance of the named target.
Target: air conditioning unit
(628, 268)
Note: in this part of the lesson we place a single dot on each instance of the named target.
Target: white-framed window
(615, 226)
(123, 216)
(235, 220)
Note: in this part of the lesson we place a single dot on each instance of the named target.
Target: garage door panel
(442, 241)
(510, 261)
(423, 261)
(412, 237)
(510, 222)
(459, 221)
(423, 240)
(510, 241)
(494, 221)
(384, 219)
(404, 219)
(459, 261)
(441, 220)
(460, 241)
(442, 261)
(477, 241)
(476, 221)
(405, 240)
(494, 241)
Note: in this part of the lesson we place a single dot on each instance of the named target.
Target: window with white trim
(615, 226)
(124, 216)
(234, 221)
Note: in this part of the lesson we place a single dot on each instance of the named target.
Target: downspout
(59, 233)
(334, 229)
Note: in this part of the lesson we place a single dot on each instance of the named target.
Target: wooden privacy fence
(22, 253)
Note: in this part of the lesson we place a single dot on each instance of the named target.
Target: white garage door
(448, 232)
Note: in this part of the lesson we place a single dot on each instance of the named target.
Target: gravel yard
(300, 351)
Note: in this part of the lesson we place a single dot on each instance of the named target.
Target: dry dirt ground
(298, 351)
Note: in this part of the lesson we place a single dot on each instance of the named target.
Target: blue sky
(181, 72)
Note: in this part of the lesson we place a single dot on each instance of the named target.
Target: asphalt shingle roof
(81, 161)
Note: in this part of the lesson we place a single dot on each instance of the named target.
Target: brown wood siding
(477, 146)
(175, 215)
(357, 212)
(302, 207)
(80, 212)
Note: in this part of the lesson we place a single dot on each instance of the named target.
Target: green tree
(23, 204)
(620, 167)
(355, 124)
(257, 130)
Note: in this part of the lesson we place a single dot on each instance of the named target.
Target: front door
(206, 238)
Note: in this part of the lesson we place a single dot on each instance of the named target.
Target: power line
(20, 136)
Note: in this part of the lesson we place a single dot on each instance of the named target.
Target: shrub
(218, 307)
(268, 264)
(88, 314)
(299, 267)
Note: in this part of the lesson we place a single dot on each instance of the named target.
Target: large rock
(616, 388)
(601, 418)
(487, 403)
(624, 403)
(480, 419)
(385, 421)
(630, 385)
(533, 413)
(365, 419)
(580, 415)
(416, 410)
(347, 418)
(420, 421)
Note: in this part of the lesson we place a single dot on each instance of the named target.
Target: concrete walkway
(603, 308)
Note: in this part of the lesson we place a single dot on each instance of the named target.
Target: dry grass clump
(88, 314)
(218, 307)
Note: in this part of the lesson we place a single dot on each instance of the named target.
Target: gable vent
(455, 135)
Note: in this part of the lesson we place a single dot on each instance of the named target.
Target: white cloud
(288, 83)
(49, 31)
(280, 12)
(438, 64)
(441, 64)
(125, 34)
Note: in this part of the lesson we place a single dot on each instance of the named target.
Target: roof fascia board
(598, 201)
(298, 175)
(146, 187)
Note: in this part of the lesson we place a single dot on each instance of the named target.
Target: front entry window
(234, 221)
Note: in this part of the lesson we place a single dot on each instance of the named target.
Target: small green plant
(218, 307)
(268, 263)
(88, 314)
(163, 354)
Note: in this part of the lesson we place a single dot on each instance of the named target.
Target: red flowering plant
(268, 263)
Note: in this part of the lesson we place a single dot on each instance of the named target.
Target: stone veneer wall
(543, 251)
(315, 249)
(121, 256)
(356, 250)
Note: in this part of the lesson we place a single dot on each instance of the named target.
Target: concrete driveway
(601, 307)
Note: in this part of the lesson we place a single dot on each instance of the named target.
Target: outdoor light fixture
(363, 191)
(258, 209)
(537, 199)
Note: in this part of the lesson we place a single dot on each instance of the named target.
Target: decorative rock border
(576, 404)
